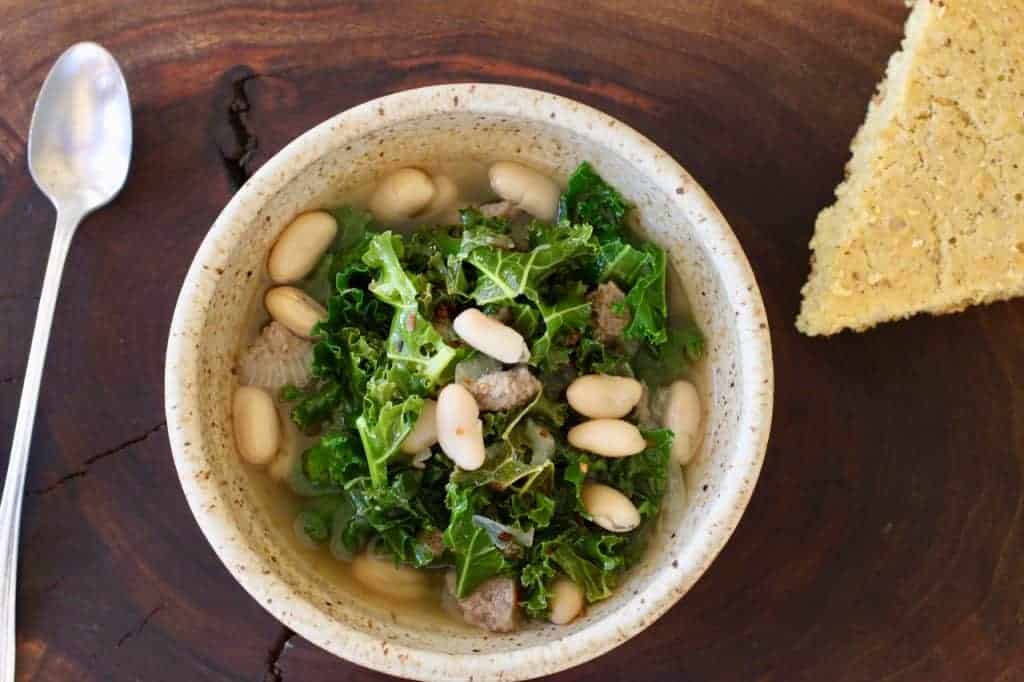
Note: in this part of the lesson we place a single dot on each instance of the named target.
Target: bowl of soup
(469, 381)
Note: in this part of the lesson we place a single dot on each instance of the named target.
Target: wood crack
(244, 142)
(277, 651)
(84, 469)
(142, 624)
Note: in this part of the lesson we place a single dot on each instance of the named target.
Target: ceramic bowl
(485, 123)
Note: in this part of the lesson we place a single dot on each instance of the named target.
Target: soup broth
(273, 483)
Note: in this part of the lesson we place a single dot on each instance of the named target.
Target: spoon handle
(14, 485)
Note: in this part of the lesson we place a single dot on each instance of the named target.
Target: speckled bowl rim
(754, 364)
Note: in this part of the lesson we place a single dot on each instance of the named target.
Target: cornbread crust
(930, 217)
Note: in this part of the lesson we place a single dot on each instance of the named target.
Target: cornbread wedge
(930, 217)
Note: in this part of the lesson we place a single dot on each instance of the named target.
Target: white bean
(602, 396)
(424, 432)
(491, 337)
(385, 577)
(291, 447)
(607, 437)
(445, 197)
(682, 416)
(300, 246)
(257, 430)
(401, 195)
(609, 508)
(566, 601)
(459, 429)
(535, 193)
(294, 309)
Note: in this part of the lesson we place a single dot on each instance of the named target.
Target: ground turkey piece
(275, 359)
(434, 540)
(504, 390)
(644, 411)
(611, 315)
(492, 605)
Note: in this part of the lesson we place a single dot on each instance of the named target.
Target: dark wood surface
(884, 541)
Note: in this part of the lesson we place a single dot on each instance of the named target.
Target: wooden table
(885, 539)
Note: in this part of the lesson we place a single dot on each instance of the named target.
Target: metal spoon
(79, 148)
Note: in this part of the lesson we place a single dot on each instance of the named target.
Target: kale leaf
(589, 200)
(476, 557)
(412, 338)
(621, 262)
(502, 470)
(595, 357)
(391, 284)
(647, 300)
(434, 254)
(343, 361)
(314, 404)
(506, 275)
(588, 558)
(523, 317)
(395, 513)
(382, 429)
(334, 460)
(569, 314)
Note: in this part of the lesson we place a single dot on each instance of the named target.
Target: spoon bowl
(80, 141)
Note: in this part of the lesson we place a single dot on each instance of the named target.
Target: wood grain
(885, 539)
